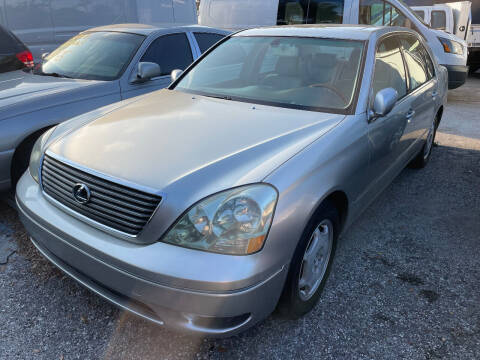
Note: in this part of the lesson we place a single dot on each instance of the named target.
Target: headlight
(450, 46)
(36, 156)
(233, 222)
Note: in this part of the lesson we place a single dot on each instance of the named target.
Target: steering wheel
(332, 89)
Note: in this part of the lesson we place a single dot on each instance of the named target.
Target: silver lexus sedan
(208, 204)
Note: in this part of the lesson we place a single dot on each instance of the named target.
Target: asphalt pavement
(405, 282)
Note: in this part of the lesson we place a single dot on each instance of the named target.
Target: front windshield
(308, 73)
(93, 56)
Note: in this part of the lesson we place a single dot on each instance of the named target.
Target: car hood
(22, 92)
(170, 138)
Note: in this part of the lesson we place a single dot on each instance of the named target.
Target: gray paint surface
(29, 103)
(305, 155)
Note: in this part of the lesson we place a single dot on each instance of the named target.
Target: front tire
(311, 263)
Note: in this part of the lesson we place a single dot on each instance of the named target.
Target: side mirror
(44, 55)
(384, 102)
(175, 74)
(147, 71)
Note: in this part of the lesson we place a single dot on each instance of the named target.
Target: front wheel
(421, 160)
(311, 262)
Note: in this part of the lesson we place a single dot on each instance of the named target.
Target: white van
(455, 18)
(44, 24)
(240, 14)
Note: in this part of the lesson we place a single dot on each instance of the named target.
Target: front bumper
(457, 75)
(213, 313)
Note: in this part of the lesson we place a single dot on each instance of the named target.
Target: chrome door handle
(410, 115)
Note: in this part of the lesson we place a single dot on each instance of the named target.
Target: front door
(386, 132)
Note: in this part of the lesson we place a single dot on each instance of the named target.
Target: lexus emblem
(81, 193)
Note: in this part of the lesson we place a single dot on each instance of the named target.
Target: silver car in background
(98, 67)
(206, 205)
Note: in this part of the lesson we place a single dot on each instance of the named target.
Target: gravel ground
(404, 283)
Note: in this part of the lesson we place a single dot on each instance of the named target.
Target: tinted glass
(170, 52)
(94, 55)
(325, 11)
(206, 40)
(389, 68)
(292, 12)
(381, 13)
(291, 72)
(8, 43)
(416, 60)
(396, 18)
(439, 20)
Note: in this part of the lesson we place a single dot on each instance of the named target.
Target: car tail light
(26, 57)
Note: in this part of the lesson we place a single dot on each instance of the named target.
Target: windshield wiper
(223, 97)
(54, 74)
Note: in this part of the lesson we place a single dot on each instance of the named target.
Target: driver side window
(171, 52)
(389, 67)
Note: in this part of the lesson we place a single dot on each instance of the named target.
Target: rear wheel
(421, 160)
(311, 262)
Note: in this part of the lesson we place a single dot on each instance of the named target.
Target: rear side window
(389, 68)
(418, 61)
(206, 40)
(439, 20)
(170, 52)
(310, 12)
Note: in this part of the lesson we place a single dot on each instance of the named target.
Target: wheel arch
(439, 115)
(22, 146)
(338, 199)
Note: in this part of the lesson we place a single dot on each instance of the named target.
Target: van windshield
(305, 73)
(93, 55)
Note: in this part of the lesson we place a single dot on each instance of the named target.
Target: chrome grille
(110, 204)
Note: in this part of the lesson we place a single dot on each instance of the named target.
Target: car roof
(351, 32)
(143, 29)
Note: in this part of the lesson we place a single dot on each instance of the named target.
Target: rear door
(422, 90)
(170, 51)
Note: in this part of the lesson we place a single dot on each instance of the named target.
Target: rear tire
(423, 157)
(311, 263)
